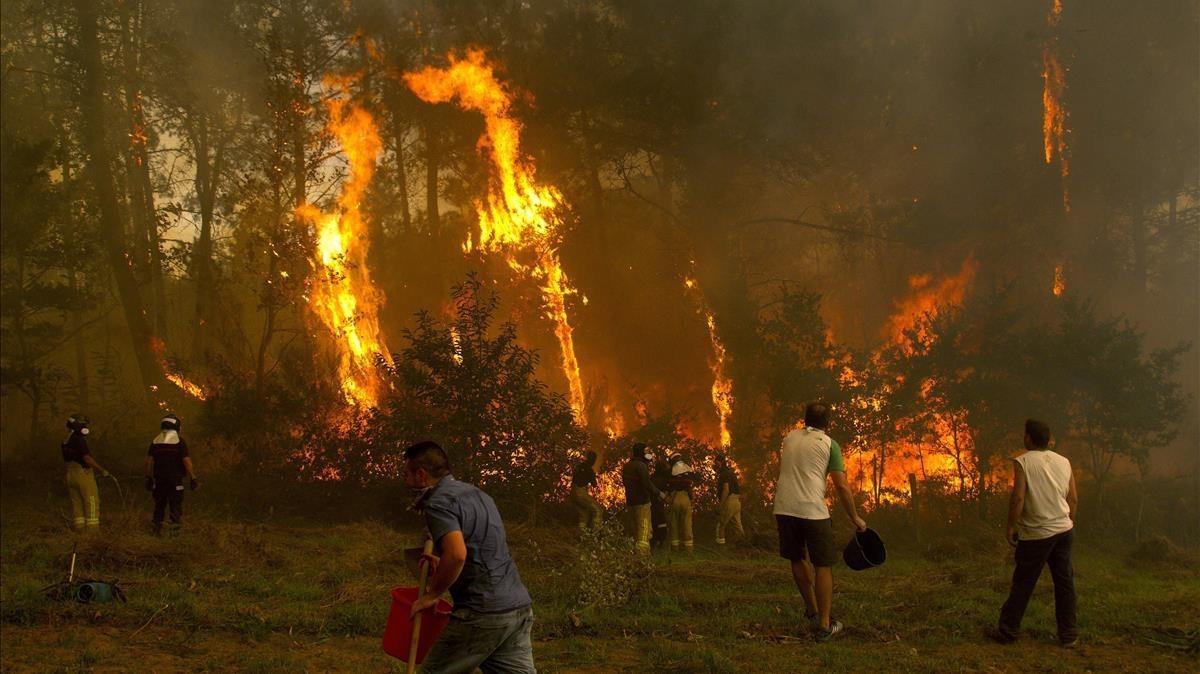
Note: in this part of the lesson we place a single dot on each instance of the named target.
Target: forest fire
(1060, 282)
(907, 328)
(344, 298)
(1054, 112)
(187, 386)
(722, 386)
(520, 217)
(943, 452)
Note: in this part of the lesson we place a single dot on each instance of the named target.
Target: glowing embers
(343, 297)
(1054, 111)
(520, 217)
(1060, 282)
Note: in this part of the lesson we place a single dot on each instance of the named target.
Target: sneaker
(826, 635)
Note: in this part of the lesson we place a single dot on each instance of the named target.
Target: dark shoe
(994, 634)
(825, 635)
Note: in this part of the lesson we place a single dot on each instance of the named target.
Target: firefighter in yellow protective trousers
(81, 478)
(679, 515)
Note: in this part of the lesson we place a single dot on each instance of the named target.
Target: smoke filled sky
(868, 153)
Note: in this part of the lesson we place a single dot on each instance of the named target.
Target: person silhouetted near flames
(81, 475)
(1041, 526)
(679, 516)
(658, 507)
(583, 478)
(639, 492)
(807, 457)
(167, 464)
(729, 511)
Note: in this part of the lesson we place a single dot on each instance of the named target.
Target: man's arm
(187, 465)
(87, 458)
(846, 497)
(446, 570)
(644, 475)
(1072, 497)
(1016, 503)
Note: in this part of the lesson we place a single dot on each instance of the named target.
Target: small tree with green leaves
(1114, 398)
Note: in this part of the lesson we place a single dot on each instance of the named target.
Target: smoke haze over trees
(859, 192)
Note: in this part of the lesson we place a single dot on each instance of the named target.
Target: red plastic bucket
(398, 635)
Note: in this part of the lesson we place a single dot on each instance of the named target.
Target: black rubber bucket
(864, 551)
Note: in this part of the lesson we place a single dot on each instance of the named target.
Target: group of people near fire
(659, 500)
(492, 616)
(167, 464)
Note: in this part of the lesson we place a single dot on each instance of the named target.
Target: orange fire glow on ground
(1054, 111)
(343, 296)
(520, 217)
(722, 386)
(1060, 282)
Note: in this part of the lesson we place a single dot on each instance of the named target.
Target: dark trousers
(1031, 557)
(164, 496)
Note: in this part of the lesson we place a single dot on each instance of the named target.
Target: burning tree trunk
(112, 228)
(142, 210)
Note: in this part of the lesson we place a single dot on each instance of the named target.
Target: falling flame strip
(520, 215)
(722, 386)
(344, 298)
(1054, 111)
(1060, 282)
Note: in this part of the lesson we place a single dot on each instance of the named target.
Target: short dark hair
(638, 451)
(1038, 432)
(816, 415)
(589, 456)
(429, 456)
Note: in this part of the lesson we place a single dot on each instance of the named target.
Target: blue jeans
(494, 642)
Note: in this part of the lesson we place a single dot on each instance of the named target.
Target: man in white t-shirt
(809, 455)
(1041, 525)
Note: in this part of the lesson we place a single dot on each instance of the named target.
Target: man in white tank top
(1041, 525)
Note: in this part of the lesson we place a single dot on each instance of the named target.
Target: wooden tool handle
(416, 623)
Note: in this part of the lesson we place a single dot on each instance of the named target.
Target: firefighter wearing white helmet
(167, 464)
(81, 478)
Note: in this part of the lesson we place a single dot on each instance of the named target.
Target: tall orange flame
(343, 297)
(722, 386)
(520, 216)
(1054, 112)
(926, 301)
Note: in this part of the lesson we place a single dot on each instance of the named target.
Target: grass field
(272, 597)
